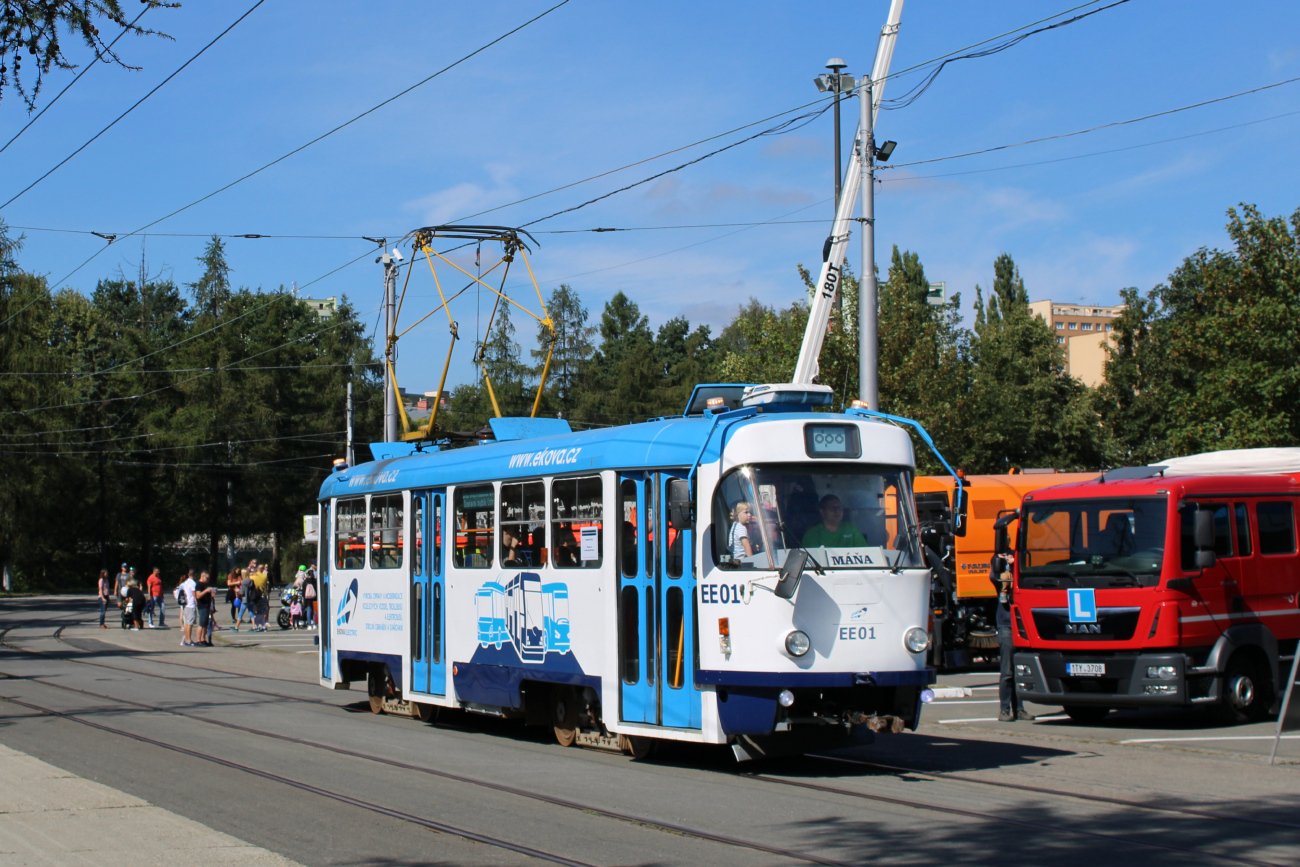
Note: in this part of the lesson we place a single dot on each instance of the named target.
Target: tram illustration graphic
(523, 611)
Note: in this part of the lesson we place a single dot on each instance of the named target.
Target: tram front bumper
(874, 701)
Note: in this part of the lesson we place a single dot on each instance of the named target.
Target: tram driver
(833, 531)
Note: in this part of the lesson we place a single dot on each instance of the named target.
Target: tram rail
(695, 833)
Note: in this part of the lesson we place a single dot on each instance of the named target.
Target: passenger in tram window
(738, 539)
(510, 553)
(833, 531)
(566, 548)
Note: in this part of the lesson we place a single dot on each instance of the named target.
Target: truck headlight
(916, 639)
(1162, 672)
(797, 643)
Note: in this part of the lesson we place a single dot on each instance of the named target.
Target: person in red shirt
(155, 604)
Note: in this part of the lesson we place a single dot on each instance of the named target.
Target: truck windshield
(1093, 543)
(847, 516)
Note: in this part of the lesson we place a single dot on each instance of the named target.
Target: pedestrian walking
(232, 597)
(309, 597)
(189, 610)
(246, 588)
(155, 607)
(105, 595)
(119, 589)
(204, 597)
(133, 607)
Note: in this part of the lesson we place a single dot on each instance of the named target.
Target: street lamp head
(835, 64)
(824, 83)
(885, 151)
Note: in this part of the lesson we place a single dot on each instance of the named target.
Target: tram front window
(848, 516)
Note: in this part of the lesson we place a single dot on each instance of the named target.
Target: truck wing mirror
(681, 510)
(1001, 536)
(959, 524)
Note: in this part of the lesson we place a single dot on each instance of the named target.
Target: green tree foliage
(620, 378)
(1209, 360)
(31, 28)
(130, 416)
(1023, 409)
(924, 358)
(572, 349)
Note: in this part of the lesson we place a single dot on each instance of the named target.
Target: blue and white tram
(742, 574)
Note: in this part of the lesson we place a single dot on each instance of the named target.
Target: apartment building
(1084, 330)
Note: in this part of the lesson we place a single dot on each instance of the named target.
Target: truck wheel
(1086, 714)
(564, 715)
(1245, 691)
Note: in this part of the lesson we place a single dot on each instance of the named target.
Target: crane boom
(828, 281)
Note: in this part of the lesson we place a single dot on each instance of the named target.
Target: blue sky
(596, 85)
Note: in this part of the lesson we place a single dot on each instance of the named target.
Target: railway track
(695, 833)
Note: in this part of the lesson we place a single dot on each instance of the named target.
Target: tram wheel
(425, 712)
(375, 686)
(638, 747)
(564, 714)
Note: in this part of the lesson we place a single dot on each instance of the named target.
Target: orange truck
(962, 597)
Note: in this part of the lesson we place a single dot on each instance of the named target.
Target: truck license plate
(1086, 669)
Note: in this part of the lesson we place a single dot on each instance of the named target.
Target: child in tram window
(738, 540)
(295, 614)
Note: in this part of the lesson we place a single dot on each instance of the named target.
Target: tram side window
(627, 527)
(417, 532)
(387, 516)
(350, 534)
(577, 523)
(473, 510)
(523, 524)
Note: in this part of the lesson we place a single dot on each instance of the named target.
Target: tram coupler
(877, 723)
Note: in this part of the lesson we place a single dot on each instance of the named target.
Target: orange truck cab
(1148, 588)
(962, 597)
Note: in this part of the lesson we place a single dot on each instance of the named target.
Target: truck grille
(1113, 624)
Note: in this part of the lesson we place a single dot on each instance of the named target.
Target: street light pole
(868, 308)
(835, 64)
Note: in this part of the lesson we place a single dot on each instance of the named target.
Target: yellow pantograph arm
(493, 288)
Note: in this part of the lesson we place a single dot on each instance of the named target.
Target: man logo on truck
(1083, 605)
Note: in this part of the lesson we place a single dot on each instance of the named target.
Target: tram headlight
(797, 643)
(786, 698)
(916, 639)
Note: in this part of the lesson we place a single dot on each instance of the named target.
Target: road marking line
(995, 719)
(1212, 738)
(967, 701)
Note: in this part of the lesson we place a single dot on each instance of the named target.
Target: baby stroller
(288, 596)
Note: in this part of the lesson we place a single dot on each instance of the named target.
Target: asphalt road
(240, 738)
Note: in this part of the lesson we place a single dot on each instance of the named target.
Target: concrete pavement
(49, 816)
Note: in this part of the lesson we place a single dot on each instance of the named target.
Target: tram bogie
(621, 585)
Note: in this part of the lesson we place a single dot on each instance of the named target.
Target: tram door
(428, 669)
(656, 608)
(325, 619)
(675, 592)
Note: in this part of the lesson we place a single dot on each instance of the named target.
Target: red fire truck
(1152, 587)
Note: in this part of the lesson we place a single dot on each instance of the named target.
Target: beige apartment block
(1084, 330)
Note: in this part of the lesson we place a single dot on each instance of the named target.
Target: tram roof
(660, 443)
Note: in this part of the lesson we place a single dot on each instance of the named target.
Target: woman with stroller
(133, 607)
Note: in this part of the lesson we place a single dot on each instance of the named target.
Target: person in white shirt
(189, 611)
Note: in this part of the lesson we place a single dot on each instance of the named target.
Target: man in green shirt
(832, 532)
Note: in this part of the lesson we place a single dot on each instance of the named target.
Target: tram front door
(656, 607)
(426, 620)
(325, 616)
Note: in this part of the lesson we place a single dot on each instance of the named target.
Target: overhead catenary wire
(320, 137)
(921, 87)
(133, 107)
(1092, 153)
(107, 49)
(1090, 129)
